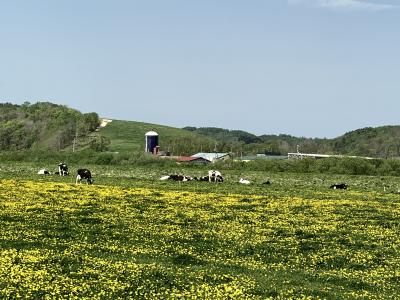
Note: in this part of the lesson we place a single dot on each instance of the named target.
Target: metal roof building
(260, 157)
(311, 155)
(214, 156)
(191, 159)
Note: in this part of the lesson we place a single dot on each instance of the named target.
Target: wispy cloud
(346, 4)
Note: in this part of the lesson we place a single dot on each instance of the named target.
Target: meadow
(133, 236)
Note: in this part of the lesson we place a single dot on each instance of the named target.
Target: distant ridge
(50, 126)
(383, 141)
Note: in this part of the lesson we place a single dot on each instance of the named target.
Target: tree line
(42, 125)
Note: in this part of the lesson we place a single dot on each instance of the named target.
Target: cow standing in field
(84, 174)
(63, 169)
(215, 176)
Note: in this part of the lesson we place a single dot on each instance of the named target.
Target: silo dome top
(151, 133)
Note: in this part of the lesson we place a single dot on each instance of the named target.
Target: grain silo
(151, 140)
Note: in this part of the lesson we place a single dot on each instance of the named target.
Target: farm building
(213, 157)
(298, 155)
(260, 157)
(194, 160)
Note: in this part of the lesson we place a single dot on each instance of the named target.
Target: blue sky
(314, 68)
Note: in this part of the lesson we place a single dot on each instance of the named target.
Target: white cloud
(346, 4)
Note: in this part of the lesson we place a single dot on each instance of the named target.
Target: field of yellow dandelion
(63, 241)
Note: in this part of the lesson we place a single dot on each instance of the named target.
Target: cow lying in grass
(84, 174)
(244, 181)
(213, 176)
(43, 172)
(340, 186)
(177, 178)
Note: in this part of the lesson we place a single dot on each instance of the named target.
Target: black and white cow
(204, 178)
(215, 176)
(177, 178)
(84, 174)
(63, 169)
(43, 172)
(340, 186)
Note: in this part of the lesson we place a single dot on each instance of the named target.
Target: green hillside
(42, 125)
(381, 141)
(49, 126)
(375, 142)
(128, 136)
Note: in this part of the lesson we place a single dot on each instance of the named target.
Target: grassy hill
(49, 126)
(55, 127)
(128, 136)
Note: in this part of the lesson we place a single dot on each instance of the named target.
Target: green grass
(128, 136)
(290, 184)
(293, 239)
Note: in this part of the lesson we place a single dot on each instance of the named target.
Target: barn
(213, 157)
(193, 160)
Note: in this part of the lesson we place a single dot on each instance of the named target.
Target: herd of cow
(212, 176)
(82, 174)
(216, 176)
